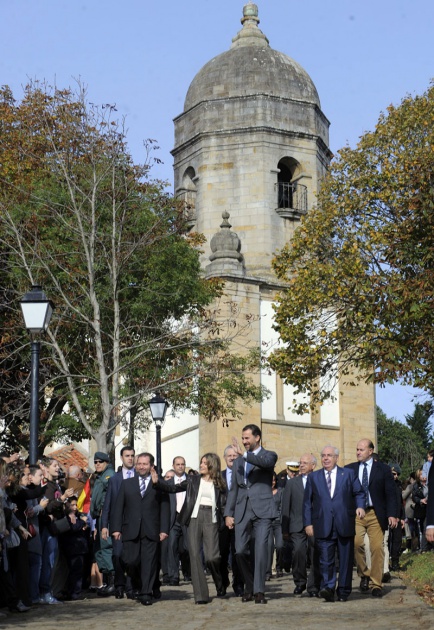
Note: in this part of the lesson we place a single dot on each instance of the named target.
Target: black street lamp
(37, 310)
(158, 406)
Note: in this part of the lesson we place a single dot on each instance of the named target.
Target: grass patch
(418, 572)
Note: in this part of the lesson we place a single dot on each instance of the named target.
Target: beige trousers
(371, 527)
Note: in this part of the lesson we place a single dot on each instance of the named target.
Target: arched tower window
(291, 194)
(187, 192)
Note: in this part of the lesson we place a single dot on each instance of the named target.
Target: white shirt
(127, 474)
(205, 488)
(229, 477)
(180, 496)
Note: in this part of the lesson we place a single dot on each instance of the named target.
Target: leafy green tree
(134, 314)
(360, 268)
(397, 443)
(420, 422)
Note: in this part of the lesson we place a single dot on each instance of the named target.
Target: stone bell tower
(252, 146)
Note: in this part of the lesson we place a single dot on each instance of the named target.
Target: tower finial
(250, 12)
(250, 34)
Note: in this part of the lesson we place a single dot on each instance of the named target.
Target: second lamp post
(37, 310)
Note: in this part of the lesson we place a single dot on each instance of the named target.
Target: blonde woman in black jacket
(202, 514)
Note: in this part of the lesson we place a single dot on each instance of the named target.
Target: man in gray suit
(250, 509)
(292, 529)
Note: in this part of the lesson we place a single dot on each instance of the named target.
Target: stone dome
(251, 67)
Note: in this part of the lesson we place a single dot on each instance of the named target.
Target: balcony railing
(291, 200)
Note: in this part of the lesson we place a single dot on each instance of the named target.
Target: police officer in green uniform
(103, 548)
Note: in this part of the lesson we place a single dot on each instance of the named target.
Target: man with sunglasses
(103, 548)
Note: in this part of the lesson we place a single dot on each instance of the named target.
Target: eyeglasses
(98, 461)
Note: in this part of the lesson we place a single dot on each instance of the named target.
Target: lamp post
(37, 310)
(158, 406)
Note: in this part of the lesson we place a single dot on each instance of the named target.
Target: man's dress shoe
(364, 584)
(119, 592)
(145, 600)
(327, 594)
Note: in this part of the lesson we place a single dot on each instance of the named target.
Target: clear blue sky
(142, 55)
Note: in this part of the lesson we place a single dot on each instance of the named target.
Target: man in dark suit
(292, 529)
(177, 545)
(141, 520)
(227, 536)
(126, 471)
(250, 509)
(382, 511)
(164, 547)
(332, 498)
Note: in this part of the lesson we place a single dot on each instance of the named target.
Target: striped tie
(329, 482)
(142, 486)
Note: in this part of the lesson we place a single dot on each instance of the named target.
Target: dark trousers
(140, 557)
(8, 595)
(164, 562)
(19, 567)
(304, 548)
(227, 549)
(178, 550)
(395, 542)
(327, 551)
(74, 582)
(117, 564)
(287, 555)
(275, 541)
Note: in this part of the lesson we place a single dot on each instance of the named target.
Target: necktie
(304, 477)
(142, 486)
(365, 484)
(329, 482)
(228, 478)
(247, 470)
(129, 474)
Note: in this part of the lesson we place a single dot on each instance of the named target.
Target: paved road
(400, 609)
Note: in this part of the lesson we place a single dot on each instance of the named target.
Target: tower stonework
(251, 145)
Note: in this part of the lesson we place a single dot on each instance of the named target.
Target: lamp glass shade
(37, 310)
(158, 407)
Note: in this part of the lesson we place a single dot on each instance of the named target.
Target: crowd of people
(130, 531)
